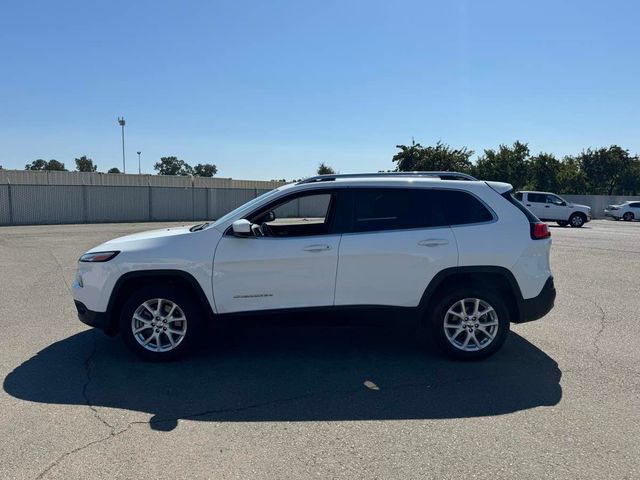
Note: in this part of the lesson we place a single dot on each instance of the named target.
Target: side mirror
(241, 228)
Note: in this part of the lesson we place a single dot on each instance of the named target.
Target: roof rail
(441, 174)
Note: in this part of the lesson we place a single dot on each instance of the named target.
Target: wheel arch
(448, 279)
(132, 280)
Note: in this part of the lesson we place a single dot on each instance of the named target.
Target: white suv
(551, 207)
(462, 254)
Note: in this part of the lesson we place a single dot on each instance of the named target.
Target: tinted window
(634, 205)
(394, 209)
(536, 197)
(518, 196)
(460, 208)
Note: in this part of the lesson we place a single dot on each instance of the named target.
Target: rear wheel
(627, 217)
(577, 220)
(470, 323)
(562, 223)
(161, 323)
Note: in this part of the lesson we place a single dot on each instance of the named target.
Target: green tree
(44, 165)
(507, 164)
(173, 166)
(55, 165)
(324, 169)
(440, 157)
(36, 165)
(543, 173)
(604, 168)
(570, 178)
(205, 170)
(630, 182)
(84, 164)
(114, 170)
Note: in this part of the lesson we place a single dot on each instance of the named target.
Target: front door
(289, 262)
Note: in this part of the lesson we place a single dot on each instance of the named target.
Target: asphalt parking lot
(561, 400)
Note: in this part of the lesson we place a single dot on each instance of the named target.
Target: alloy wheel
(159, 325)
(471, 324)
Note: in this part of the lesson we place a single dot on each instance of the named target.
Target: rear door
(536, 202)
(397, 241)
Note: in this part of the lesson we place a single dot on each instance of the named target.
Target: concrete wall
(598, 202)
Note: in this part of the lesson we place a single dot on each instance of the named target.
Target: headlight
(98, 256)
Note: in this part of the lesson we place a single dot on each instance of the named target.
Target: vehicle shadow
(308, 373)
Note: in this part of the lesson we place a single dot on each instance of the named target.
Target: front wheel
(577, 220)
(161, 323)
(627, 217)
(470, 323)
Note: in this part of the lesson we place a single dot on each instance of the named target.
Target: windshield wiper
(199, 227)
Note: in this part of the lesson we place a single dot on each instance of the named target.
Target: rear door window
(376, 209)
(537, 197)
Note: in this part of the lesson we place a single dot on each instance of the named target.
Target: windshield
(244, 206)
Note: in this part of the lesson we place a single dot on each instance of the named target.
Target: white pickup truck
(551, 207)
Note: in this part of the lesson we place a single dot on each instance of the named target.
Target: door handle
(546, 206)
(528, 204)
(317, 248)
(433, 242)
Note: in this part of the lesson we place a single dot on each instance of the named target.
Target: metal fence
(49, 197)
(56, 204)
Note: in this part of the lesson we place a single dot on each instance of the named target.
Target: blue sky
(268, 89)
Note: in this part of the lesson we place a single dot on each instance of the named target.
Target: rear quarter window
(462, 208)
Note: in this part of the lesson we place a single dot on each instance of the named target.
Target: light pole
(139, 171)
(121, 122)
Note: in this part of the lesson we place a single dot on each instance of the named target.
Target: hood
(577, 205)
(150, 238)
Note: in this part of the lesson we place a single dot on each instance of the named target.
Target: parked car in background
(626, 211)
(553, 208)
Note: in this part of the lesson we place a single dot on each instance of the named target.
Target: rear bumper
(100, 320)
(537, 307)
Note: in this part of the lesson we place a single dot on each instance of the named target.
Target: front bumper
(537, 307)
(611, 213)
(100, 320)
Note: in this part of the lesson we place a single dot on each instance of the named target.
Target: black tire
(628, 217)
(562, 223)
(577, 220)
(438, 315)
(186, 304)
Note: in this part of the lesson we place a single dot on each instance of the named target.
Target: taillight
(540, 230)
